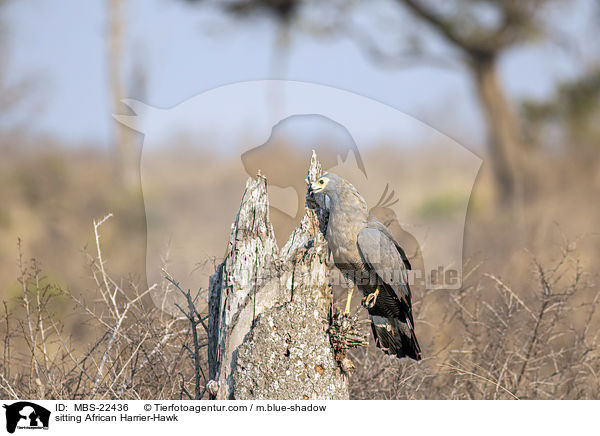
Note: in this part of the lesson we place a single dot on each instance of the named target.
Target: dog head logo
(26, 415)
(284, 157)
(421, 188)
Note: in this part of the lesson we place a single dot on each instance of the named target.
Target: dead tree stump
(270, 310)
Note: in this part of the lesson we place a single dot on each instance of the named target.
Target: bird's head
(327, 183)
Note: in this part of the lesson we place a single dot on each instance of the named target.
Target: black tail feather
(396, 337)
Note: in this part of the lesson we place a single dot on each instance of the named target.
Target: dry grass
(500, 346)
(135, 350)
(491, 341)
(523, 325)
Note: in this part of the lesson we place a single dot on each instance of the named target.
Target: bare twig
(195, 318)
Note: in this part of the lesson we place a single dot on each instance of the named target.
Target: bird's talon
(370, 300)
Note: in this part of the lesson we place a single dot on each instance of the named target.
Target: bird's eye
(321, 182)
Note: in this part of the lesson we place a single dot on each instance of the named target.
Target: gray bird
(366, 253)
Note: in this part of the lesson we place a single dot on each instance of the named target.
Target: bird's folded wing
(375, 224)
(381, 255)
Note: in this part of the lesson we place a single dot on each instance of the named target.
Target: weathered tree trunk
(269, 311)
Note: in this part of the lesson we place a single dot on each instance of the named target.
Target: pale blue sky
(59, 45)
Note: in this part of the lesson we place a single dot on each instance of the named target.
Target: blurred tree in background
(571, 116)
(480, 31)
(12, 93)
(126, 150)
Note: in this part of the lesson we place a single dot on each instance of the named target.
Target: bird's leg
(370, 300)
(348, 300)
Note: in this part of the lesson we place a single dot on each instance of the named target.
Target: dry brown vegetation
(133, 349)
(524, 325)
(495, 344)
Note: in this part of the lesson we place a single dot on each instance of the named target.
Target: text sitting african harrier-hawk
(366, 253)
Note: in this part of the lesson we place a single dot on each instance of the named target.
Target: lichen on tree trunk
(269, 310)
